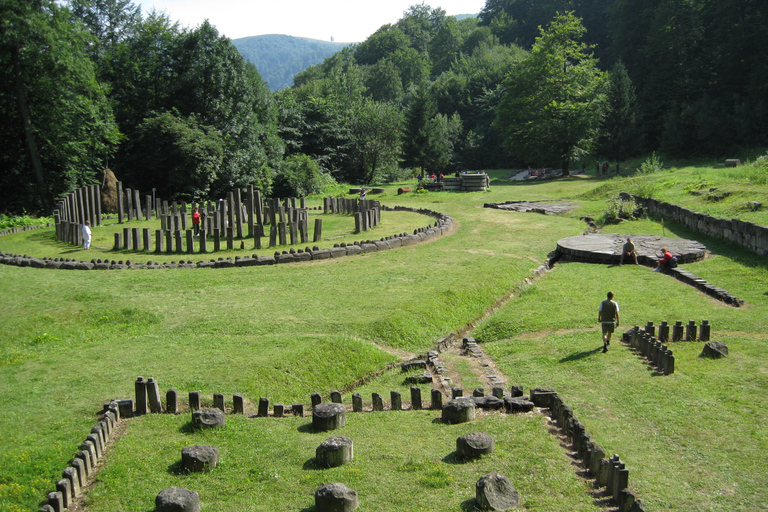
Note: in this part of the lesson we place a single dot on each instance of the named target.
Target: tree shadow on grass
(580, 355)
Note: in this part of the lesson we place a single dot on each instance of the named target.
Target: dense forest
(91, 84)
(279, 57)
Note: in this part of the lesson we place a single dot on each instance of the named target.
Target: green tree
(178, 156)
(52, 104)
(299, 176)
(420, 109)
(554, 99)
(619, 136)
(375, 144)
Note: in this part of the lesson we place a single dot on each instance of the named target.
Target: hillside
(279, 57)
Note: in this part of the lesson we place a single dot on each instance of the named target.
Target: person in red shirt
(664, 260)
(196, 221)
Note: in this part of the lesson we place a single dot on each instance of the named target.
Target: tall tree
(421, 108)
(52, 105)
(619, 136)
(554, 99)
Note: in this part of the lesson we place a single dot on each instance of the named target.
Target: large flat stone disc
(607, 248)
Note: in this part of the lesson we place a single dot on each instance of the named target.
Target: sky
(346, 21)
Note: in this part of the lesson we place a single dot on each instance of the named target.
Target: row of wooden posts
(225, 220)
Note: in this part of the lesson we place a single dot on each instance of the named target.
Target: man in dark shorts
(608, 316)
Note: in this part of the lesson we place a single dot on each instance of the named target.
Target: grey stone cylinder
(335, 451)
(197, 459)
(473, 445)
(208, 418)
(459, 410)
(335, 497)
(177, 499)
(328, 416)
(494, 491)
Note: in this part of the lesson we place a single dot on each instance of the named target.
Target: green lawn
(70, 341)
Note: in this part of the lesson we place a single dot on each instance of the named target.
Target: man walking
(608, 316)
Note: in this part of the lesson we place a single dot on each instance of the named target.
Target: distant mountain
(278, 57)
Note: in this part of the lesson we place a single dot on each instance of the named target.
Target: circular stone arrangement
(607, 248)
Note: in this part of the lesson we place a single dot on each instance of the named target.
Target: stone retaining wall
(746, 234)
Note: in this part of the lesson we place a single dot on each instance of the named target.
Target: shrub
(643, 183)
(300, 176)
(619, 209)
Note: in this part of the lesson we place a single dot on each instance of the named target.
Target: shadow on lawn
(580, 355)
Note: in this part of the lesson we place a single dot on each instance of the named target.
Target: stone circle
(607, 248)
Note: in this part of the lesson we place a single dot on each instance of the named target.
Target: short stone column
(336, 397)
(415, 398)
(334, 451)
(378, 403)
(456, 392)
(357, 402)
(263, 407)
(690, 331)
(141, 395)
(218, 402)
(436, 397)
(315, 399)
(704, 330)
(494, 491)
(197, 459)
(664, 332)
(677, 331)
(238, 404)
(297, 409)
(396, 401)
(172, 401)
(194, 400)
(459, 410)
(177, 499)
(473, 445)
(328, 416)
(335, 497)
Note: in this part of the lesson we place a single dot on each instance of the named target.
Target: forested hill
(279, 57)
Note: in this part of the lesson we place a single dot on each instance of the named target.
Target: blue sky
(343, 20)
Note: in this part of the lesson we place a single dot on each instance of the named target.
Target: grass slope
(69, 341)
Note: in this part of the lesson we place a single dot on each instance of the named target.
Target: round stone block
(197, 459)
(459, 410)
(329, 416)
(335, 451)
(495, 492)
(335, 497)
(473, 445)
(208, 418)
(177, 499)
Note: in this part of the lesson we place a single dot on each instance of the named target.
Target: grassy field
(70, 341)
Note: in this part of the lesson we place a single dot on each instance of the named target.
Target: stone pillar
(279, 410)
(704, 330)
(194, 400)
(147, 239)
(357, 402)
(238, 405)
(690, 331)
(218, 401)
(437, 400)
(650, 329)
(120, 202)
(677, 331)
(457, 392)
(216, 240)
(498, 392)
(239, 213)
(670, 363)
(336, 397)
(177, 242)
(298, 409)
(315, 399)
(172, 401)
(281, 228)
(263, 407)
(137, 204)
(272, 235)
(141, 395)
(378, 403)
(153, 396)
(118, 241)
(318, 235)
(230, 238)
(415, 398)
(202, 240)
(664, 332)
(190, 236)
(396, 401)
